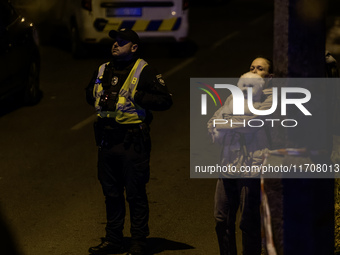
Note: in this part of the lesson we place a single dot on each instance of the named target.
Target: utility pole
(302, 209)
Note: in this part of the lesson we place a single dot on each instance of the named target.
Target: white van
(89, 21)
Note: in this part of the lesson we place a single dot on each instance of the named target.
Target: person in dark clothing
(124, 91)
(241, 191)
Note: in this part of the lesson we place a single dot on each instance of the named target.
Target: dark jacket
(152, 93)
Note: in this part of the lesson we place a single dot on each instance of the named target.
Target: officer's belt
(123, 127)
(107, 114)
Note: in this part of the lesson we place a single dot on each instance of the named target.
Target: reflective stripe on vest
(126, 111)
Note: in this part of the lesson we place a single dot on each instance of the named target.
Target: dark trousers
(123, 163)
(229, 196)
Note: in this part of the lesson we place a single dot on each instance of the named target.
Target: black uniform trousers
(123, 162)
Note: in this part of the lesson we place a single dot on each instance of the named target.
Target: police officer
(124, 91)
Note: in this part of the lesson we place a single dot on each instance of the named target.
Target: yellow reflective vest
(127, 112)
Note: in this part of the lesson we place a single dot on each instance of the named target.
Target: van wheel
(77, 47)
(32, 89)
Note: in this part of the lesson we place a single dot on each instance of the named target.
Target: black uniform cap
(126, 34)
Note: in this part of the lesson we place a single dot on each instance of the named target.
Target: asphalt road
(51, 199)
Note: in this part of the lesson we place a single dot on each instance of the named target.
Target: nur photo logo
(230, 117)
(204, 97)
(243, 103)
(238, 99)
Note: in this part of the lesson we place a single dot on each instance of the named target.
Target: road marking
(84, 122)
(177, 68)
(236, 33)
(224, 39)
(260, 19)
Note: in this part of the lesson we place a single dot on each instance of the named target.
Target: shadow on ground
(157, 245)
(7, 242)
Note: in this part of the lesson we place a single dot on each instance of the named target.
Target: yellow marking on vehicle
(167, 24)
(140, 25)
(113, 25)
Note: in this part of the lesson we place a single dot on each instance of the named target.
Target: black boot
(107, 247)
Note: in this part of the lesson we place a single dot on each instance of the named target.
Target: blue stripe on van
(177, 24)
(154, 25)
(127, 24)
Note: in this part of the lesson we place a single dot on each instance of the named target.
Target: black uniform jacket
(152, 92)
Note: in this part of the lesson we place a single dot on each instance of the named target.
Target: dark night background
(51, 199)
